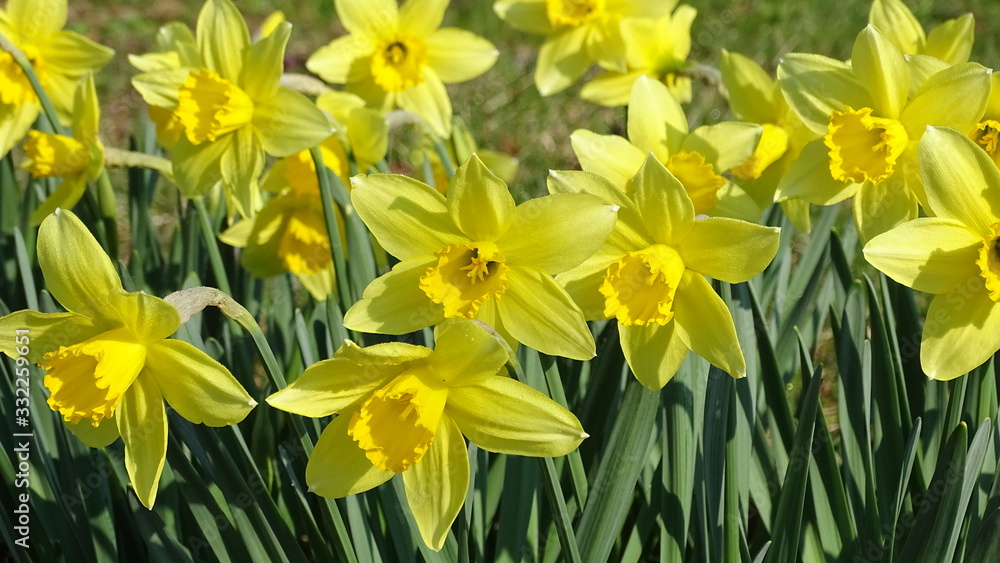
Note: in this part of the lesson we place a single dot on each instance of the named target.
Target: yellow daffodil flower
(461, 145)
(656, 48)
(360, 128)
(986, 133)
(59, 58)
(404, 409)
(953, 254)
(755, 98)
(398, 57)
(289, 234)
(230, 106)
(650, 274)
(950, 41)
(657, 124)
(74, 159)
(870, 125)
(578, 34)
(110, 365)
(473, 254)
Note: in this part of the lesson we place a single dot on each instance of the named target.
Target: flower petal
(338, 467)
(66, 196)
(14, 124)
(199, 388)
(952, 40)
(880, 207)
(409, 218)
(656, 122)
(222, 38)
(628, 233)
(960, 179)
(930, 105)
(561, 61)
(394, 302)
(77, 271)
(289, 122)
(583, 283)
(880, 64)
(610, 88)
(725, 145)
(36, 18)
(899, 25)
(142, 423)
(815, 86)
(557, 232)
(197, 168)
(160, 88)
(457, 55)
(73, 54)
(265, 64)
(342, 60)
(539, 313)
(430, 101)
(479, 202)
(728, 250)
(367, 17)
(654, 353)
(929, 254)
(610, 156)
(752, 94)
(809, 178)
(961, 332)
(464, 350)
(48, 331)
(530, 16)
(102, 436)
(502, 415)
(666, 209)
(436, 487)
(148, 317)
(240, 167)
(706, 326)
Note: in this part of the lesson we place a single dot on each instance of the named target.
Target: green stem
(333, 231)
(442, 152)
(118, 158)
(109, 211)
(208, 232)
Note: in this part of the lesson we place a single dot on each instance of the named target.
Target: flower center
(573, 12)
(986, 135)
(209, 106)
(87, 380)
(305, 248)
(989, 262)
(15, 89)
(398, 63)
(862, 147)
(465, 277)
(51, 155)
(397, 424)
(639, 289)
(698, 178)
(773, 144)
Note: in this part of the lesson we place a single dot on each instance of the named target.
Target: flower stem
(214, 257)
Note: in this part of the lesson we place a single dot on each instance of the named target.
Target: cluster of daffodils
(640, 237)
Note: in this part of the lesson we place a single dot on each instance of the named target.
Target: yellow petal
(705, 325)
(724, 145)
(409, 218)
(930, 105)
(288, 123)
(653, 352)
(728, 250)
(751, 90)
(808, 178)
(199, 388)
(502, 415)
(539, 313)
(610, 88)
(572, 226)
(583, 283)
(629, 232)
(530, 16)
(952, 40)
(367, 17)
(223, 38)
(14, 124)
(656, 123)
(664, 204)
(240, 166)
(49, 331)
(394, 302)
(457, 55)
(464, 350)
(880, 207)
(429, 100)
(101, 436)
(960, 179)
(66, 196)
(160, 89)
(142, 423)
(437, 486)
(479, 202)
(929, 254)
(73, 55)
(77, 271)
(899, 25)
(609, 156)
(368, 133)
(816, 86)
(421, 17)
(961, 332)
(880, 64)
(338, 467)
(265, 64)
(35, 19)
(197, 168)
(343, 60)
(561, 61)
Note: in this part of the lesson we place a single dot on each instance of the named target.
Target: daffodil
(953, 254)
(870, 124)
(473, 254)
(60, 58)
(461, 145)
(986, 133)
(400, 57)
(362, 129)
(289, 234)
(74, 159)
(578, 34)
(229, 105)
(650, 274)
(109, 363)
(404, 409)
(950, 41)
(657, 125)
(657, 48)
(755, 98)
